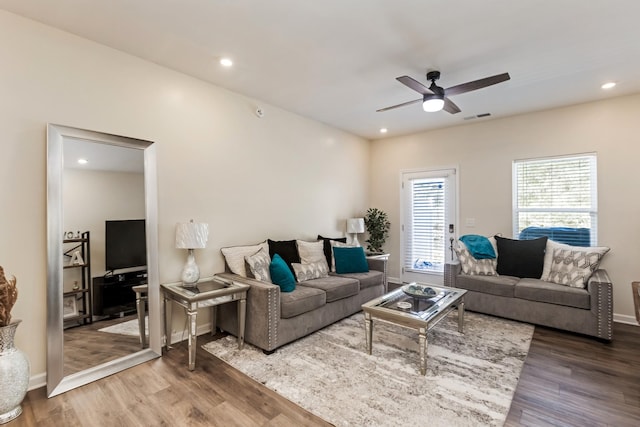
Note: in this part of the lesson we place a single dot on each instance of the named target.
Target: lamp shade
(355, 225)
(192, 235)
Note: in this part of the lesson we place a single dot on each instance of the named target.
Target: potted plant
(378, 226)
(14, 366)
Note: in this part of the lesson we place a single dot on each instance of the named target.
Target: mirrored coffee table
(415, 306)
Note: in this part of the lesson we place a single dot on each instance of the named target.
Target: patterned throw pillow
(234, 256)
(551, 246)
(475, 267)
(573, 268)
(259, 265)
(311, 271)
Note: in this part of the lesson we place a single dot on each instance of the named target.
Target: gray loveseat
(586, 311)
(275, 318)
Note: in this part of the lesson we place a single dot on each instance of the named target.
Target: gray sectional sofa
(586, 311)
(275, 318)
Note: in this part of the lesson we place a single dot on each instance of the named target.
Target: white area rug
(129, 327)
(470, 379)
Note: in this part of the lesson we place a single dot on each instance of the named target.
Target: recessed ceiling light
(383, 130)
(226, 62)
(608, 85)
(83, 161)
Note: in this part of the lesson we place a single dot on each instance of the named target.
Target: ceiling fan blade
(450, 107)
(399, 105)
(477, 84)
(414, 84)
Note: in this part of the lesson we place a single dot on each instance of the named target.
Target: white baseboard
(37, 381)
(623, 318)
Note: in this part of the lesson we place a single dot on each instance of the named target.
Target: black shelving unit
(82, 295)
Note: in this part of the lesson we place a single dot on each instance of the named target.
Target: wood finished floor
(85, 347)
(567, 380)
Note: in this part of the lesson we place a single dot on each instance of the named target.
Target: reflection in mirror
(102, 239)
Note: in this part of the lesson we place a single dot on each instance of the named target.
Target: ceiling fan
(435, 98)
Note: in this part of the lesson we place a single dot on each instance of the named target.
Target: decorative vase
(14, 374)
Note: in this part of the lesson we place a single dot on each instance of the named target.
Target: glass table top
(418, 300)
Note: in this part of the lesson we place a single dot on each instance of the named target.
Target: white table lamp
(191, 235)
(355, 226)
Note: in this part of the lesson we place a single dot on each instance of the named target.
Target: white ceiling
(336, 61)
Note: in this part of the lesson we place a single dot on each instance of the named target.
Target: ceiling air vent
(479, 116)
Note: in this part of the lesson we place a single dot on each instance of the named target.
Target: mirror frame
(57, 382)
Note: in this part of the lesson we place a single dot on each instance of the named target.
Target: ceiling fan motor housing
(433, 75)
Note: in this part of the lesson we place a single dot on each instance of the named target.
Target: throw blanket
(479, 246)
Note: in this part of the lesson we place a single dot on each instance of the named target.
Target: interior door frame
(429, 277)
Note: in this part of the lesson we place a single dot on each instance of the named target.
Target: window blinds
(425, 240)
(557, 195)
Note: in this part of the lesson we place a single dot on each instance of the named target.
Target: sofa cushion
(493, 285)
(521, 258)
(367, 280)
(552, 245)
(311, 253)
(259, 264)
(350, 260)
(472, 266)
(326, 241)
(234, 256)
(281, 275)
(336, 287)
(541, 291)
(311, 271)
(573, 267)
(480, 247)
(287, 249)
(301, 300)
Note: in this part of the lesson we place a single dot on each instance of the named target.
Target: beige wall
(282, 176)
(484, 152)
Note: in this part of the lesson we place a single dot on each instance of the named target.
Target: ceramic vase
(14, 374)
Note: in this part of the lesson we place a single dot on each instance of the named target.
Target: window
(429, 210)
(556, 195)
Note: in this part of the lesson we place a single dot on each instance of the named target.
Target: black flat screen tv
(125, 244)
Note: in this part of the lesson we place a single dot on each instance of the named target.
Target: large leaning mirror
(103, 296)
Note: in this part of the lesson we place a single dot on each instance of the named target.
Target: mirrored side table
(208, 292)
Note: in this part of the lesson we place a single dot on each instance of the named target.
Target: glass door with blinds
(428, 224)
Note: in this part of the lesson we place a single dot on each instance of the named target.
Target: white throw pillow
(571, 267)
(551, 246)
(234, 256)
(310, 251)
(311, 271)
(476, 267)
(259, 265)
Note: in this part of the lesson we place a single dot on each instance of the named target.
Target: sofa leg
(268, 352)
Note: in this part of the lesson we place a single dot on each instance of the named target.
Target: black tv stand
(112, 295)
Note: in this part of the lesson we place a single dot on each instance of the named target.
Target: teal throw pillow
(350, 260)
(281, 275)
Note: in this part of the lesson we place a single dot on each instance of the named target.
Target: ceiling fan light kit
(432, 103)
